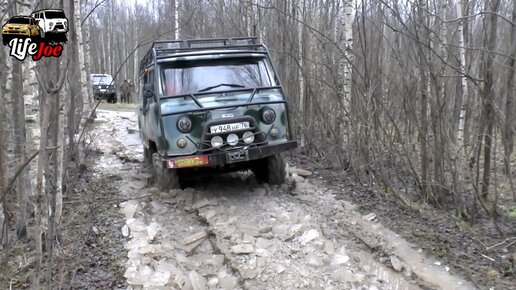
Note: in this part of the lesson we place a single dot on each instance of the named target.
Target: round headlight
(216, 142)
(100, 87)
(274, 132)
(268, 115)
(248, 137)
(232, 139)
(184, 124)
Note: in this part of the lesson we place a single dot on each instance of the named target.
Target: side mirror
(147, 91)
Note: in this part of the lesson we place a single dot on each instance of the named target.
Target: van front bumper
(228, 157)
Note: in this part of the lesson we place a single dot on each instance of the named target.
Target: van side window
(148, 78)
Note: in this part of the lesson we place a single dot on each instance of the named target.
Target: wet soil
(478, 253)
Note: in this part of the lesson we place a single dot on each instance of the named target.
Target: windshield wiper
(220, 85)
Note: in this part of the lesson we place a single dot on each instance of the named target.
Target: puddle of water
(392, 280)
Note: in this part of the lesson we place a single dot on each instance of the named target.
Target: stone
(183, 282)
(207, 215)
(343, 276)
(262, 253)
(136, 225)
(214, 260)
(280, 230)
(248, 229)
(262, 243)
(297, 178)
(117, 149)
(302, 172)
(129, 208)
(228, 282)
(198, 282)
(194, 238)
(202, 203)
(125, 231)
(307, 198)
(396, 263)
(308, 236)
(242, 249)
(369, 217)
(157, 279)
(339, 259)
(329, 248)
(150, 249)
(212, 282)
(152, 231)
(314, 260)
(143, 176)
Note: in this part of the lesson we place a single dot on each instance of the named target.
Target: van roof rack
(167, 48)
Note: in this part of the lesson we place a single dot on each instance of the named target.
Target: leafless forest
(412, 98)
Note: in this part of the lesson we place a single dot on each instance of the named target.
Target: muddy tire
(167, 179)
(112, 97)
(270, 170)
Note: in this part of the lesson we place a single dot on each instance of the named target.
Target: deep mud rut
(228, 232)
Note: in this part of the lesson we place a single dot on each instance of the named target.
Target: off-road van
(53, 24)
(212, 105)
(103, 87)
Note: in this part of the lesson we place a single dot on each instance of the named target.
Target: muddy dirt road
(228, 232)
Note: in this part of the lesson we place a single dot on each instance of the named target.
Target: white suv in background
(53, 23)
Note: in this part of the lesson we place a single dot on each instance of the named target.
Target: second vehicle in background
(103, 87)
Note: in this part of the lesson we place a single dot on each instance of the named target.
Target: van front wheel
(166, 178)
(270, 170)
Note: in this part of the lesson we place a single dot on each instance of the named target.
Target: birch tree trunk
(464, 80)
(20, 140)
(460, 146)
(346, 71)
(423, 134)
(176, 19)
(4, 236)
(87, 62)
(301, 78)
(509, 126)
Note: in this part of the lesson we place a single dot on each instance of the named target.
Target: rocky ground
(229, 232)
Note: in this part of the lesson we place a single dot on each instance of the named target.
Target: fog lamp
(216, 142)
(248, 137)
(232, 139)
(274, 132)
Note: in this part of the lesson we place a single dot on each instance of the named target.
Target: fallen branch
(501, 243)
(489, 258)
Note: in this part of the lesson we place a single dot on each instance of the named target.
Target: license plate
(103, 90)
(229, 127)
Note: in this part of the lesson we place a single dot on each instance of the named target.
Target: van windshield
(54, 14)
(214, 75)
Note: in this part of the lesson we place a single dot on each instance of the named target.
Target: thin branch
(20, 169)
(97, 4)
